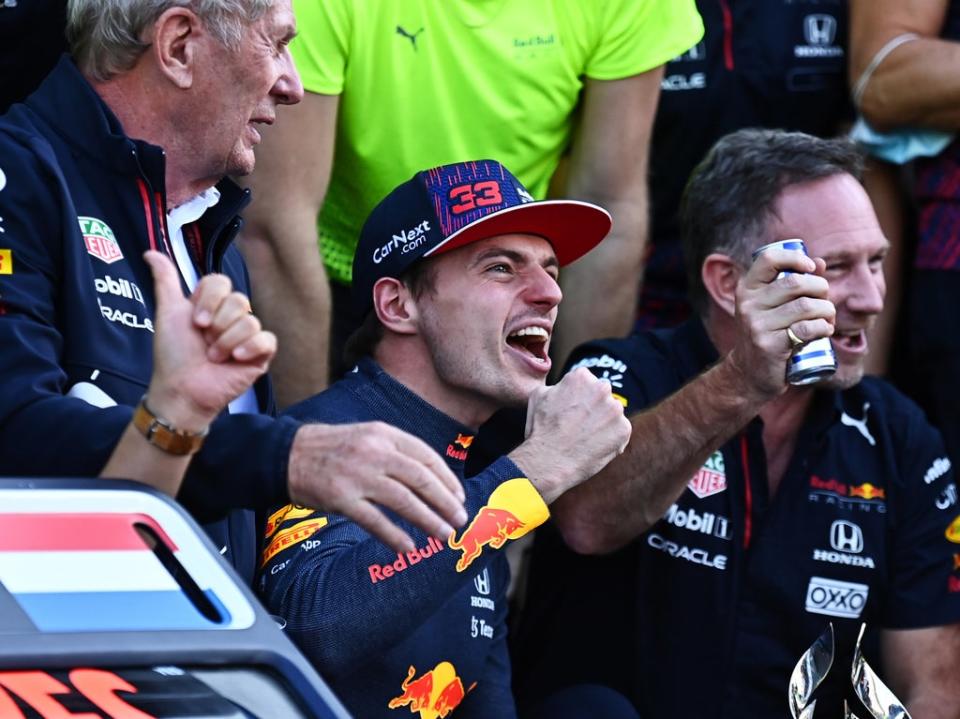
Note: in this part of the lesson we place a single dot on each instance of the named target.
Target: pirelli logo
(291, 536)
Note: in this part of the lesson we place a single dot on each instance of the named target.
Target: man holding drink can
(750, 512)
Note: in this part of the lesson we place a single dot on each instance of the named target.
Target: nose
(866, 290)
(543, 289)
(288, 90)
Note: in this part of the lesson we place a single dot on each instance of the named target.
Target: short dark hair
(730, 195)
(419, 279)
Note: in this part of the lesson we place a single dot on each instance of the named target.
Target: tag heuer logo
(711, 478)
(99, 239)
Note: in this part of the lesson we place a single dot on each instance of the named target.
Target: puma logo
(859, 424)
(412, 38)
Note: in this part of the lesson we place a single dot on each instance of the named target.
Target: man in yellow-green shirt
(394, 85)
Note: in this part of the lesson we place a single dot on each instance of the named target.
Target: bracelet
(890, 46)
(163, 435)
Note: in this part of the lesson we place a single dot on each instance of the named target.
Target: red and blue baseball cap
(451, 206)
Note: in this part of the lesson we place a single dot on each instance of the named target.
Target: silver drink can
(815, 360)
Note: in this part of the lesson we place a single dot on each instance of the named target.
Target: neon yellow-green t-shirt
(430, 82)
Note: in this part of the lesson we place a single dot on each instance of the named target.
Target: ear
(176, 33)
(395, 307)
(720, 275)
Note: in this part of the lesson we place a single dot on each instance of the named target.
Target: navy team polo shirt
(706, 614)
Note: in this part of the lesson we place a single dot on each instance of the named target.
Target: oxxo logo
(835, 598)
(407, 240)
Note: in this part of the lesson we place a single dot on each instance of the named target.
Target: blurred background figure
(31, 41)
(395, 85)
(905, 63)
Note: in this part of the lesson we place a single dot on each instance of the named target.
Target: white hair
(106, 36)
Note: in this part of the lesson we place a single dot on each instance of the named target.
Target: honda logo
(482, 582)
(820, 29)
(846, 537)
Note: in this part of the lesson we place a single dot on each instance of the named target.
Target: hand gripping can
(814, 360)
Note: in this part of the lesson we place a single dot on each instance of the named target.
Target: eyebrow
(517, 257)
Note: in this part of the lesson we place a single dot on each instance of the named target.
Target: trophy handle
(876, 697)
(812, 667)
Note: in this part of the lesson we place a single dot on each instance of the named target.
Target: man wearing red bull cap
(752, 514)
(457, 269)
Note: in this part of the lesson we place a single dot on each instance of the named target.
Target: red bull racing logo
(513, 509)
(434, 694)
(457, 449)
(867, 491)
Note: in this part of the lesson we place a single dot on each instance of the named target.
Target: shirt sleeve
(925, 564)
(322, 45)
(619, 362)
(328, 589)
(36, 416)
(638, 35)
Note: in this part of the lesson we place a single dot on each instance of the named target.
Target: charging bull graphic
(513, 509)
(434, 695)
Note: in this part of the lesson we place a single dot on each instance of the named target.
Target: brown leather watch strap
(162, 434)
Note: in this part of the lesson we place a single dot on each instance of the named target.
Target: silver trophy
(813, 667)
(815, 664)
(876, 697)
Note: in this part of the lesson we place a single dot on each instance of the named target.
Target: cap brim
(572, 227)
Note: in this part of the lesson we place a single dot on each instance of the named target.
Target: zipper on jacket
(727, 34)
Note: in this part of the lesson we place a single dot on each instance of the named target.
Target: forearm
(670, 442)
(918, 83)
(135, 458)
(349, 575)
(291, 296)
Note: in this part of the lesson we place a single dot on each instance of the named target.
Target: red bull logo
(6, 262)
(512, 510)
(490, 526)
(956, 562)
(828, 485)
(379, 572)
(457, 449)
(953, 585)
(953, 531)
(434, 694)
(867, 491)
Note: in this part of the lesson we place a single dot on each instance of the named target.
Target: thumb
(166, 279)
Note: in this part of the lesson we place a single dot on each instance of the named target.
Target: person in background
(123, 149)
(905, 57)
(396, 85)
(750, 513)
